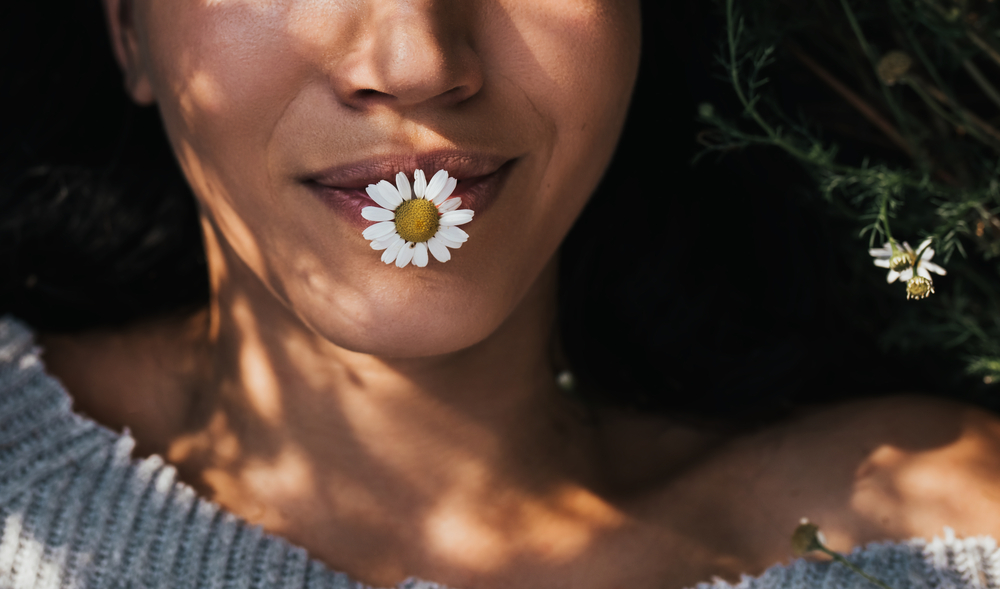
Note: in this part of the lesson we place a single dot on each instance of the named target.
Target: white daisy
(408, 224)
(902, 262)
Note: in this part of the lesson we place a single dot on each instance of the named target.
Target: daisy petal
(882, 262)
(377, 214)
(389, 255)
(453, 233)
(438, 249)
(449, 187)
(460, 217)
(447, 242)
(405, 255)
(906, 275)
(385, 242)
(403, 186)
(390, 193)
(419, 183)
(450, 205)
(921, 271)
(893, 275)
(928, 254)
(881, 252)
(924, 244)
(420, 255)
(435, 185)
(376, 195)
(379, 230)
(933, 267)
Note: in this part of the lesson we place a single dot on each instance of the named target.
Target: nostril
(460, 93)
(369, 96)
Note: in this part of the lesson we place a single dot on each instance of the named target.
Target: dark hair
(708, 290)
(97, 225)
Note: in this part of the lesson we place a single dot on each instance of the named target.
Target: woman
(405, 419)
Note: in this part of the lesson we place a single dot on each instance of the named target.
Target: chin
(405, 336)
(415, 324)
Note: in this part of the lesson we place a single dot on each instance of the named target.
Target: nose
(410, 53)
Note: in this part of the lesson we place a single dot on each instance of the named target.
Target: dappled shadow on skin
(244, 458)
(919, 486)
(350, 525)
(871, 471)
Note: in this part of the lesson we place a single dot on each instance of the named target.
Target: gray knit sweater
(76, 511)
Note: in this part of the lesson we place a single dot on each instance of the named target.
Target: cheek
(217, 66)
(576, 61)
(223, 73)
(585, 58)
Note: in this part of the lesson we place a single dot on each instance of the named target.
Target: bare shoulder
(909, 424)
(886, 469)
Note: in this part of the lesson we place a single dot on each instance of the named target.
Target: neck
(288, 422)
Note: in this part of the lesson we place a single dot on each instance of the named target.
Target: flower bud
(893, 66)
(919, 287)
(806, 538)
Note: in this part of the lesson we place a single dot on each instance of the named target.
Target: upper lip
(460, 165)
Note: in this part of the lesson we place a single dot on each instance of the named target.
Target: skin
(406, 422)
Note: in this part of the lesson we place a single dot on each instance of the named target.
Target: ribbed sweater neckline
(77, 510)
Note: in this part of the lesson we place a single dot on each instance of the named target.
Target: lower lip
(477, 194)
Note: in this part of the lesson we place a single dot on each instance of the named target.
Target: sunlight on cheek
(201, 94)
(243, 3)
(309, 22)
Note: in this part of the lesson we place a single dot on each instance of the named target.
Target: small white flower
(408, 224)
(903, 263)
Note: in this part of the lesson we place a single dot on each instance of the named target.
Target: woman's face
(282, 111)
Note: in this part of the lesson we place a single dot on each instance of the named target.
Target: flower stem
(852, 98)
(883, 216)
(838, 558)
(748, 107)
(973, 124)
(859, 34)
(986, 47)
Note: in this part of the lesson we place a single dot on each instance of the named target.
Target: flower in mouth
(409, 224)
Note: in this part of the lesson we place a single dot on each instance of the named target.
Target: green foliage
(916, 79)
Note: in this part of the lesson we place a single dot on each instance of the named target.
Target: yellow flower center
(901, 262)
(919, 287)
(417, 220)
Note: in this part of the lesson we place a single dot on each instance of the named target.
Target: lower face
(269, 105)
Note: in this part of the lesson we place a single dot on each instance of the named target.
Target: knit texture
(77, 511)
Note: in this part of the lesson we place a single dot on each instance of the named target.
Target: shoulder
(886, 469)
(914, 445)
(872, 471)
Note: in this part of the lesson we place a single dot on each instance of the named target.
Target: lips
(480, 178)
